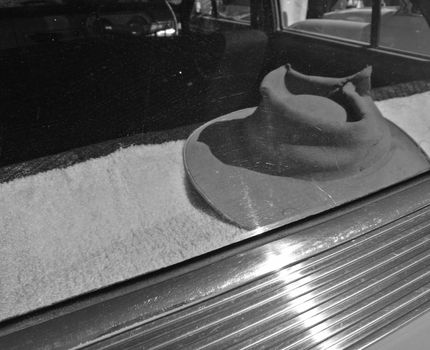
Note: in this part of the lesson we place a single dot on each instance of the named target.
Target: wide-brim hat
(313, 143)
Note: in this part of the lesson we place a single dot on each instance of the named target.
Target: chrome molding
(333, 299)
(343, 279)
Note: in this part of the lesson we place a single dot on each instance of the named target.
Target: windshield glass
(138, 134)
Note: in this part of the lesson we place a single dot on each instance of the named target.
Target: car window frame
(218, 18)
(375, 31)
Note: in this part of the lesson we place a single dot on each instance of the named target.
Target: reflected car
(68, 21)
(400, 31)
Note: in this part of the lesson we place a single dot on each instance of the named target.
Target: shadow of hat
(311, 144)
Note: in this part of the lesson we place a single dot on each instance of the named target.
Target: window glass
(221, 14)
(403, 27)
(88, 83)
(334, 18)
(98, 100)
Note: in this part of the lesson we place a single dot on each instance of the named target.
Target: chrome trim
(309, 302)
(175, 19)
(334, 265)
(276, 13)
(392, 327)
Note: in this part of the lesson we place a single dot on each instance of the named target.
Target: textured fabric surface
(400, 90)
(68, 231)
(412, 115)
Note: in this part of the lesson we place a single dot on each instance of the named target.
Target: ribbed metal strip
(392, 326)
(334, 299)
(287, 315)
(313, 327)
(418, 298)
(315, 268)
(279, 299)
(301, 315)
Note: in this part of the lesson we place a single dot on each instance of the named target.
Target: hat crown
(316, 127)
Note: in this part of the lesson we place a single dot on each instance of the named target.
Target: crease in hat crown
(316, 127)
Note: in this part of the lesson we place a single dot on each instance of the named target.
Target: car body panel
(125, 313)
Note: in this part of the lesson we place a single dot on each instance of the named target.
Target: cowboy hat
(313, 143)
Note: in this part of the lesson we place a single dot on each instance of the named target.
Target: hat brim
(254, 199)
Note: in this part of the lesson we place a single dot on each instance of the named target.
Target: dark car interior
(64, 91)
(59, 94)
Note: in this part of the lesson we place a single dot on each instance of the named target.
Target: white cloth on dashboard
(69, 231)
(412, 115)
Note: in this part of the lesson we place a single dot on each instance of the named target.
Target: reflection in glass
(405, 28)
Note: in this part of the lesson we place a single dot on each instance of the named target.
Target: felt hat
(313, 143)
